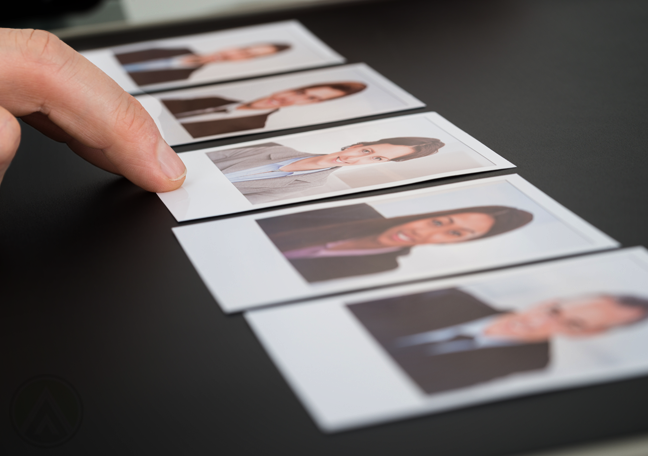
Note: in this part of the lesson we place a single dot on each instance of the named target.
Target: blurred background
(72, 18)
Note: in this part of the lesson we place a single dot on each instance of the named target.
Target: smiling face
(360, 154)
(573, 317)
(438, 230)
(296, 97)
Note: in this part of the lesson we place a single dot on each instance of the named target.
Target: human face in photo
(360, 154)
(296, 97)
(438, 230)
(244, 53)
(231, 55)
(584, 316)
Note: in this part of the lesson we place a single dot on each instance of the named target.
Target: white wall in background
(140, 11)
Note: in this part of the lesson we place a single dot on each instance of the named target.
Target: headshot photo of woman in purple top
(354, 240)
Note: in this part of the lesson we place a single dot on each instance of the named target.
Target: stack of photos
(363, 314)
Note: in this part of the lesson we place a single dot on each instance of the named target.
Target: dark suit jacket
(142, 78)
(181, 107)
(222, 126)
(389, 319)
(313, 228)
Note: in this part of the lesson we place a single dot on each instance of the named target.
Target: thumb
(9, 139)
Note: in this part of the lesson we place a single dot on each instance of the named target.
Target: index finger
(107, 126)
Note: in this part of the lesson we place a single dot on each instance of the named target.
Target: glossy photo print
(378, 356)
(324, 163)
(275, 103)
(328, 248)
(224, 55)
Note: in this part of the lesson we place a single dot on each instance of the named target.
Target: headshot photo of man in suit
(214, 115)
(354, 240)
(270, 171)
(448, 339)
(155, 66)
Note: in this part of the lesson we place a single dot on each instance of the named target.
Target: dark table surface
(95, 289)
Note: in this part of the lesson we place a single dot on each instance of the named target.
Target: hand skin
(57, 91)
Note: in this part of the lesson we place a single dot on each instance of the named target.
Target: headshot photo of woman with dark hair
(157, 65)
(275, 103)
(357, 240)
(308, 251)
(216, 56)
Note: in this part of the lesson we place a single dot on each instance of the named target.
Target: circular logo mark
(46, 411)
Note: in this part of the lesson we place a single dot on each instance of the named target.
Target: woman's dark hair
(422, 146)
(342, 223)
(280, 47)
(347, 87)
(634, 302)
(506, 219)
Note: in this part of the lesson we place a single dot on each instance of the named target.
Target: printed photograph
(388, 354)
(271, 171)
(275, 103)
(213, 57)
(349, 245)
(357, 240)
(424, 232)
(325, 163)
(449, 339)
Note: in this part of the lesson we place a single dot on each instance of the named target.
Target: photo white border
(105, 58)
(175, 134)
(332, 384)
(207, 193)
(225, 264)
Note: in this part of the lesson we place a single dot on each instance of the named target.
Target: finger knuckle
(132, 118)
(40, 46)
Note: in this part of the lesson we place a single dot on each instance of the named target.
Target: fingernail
(170, 163)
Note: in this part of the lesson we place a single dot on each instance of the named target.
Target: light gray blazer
(265, 190)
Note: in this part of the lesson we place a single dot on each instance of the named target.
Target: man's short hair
(422, 146)
(634, 302)
(348, 87)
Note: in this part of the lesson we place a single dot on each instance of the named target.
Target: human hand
(57, 91)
